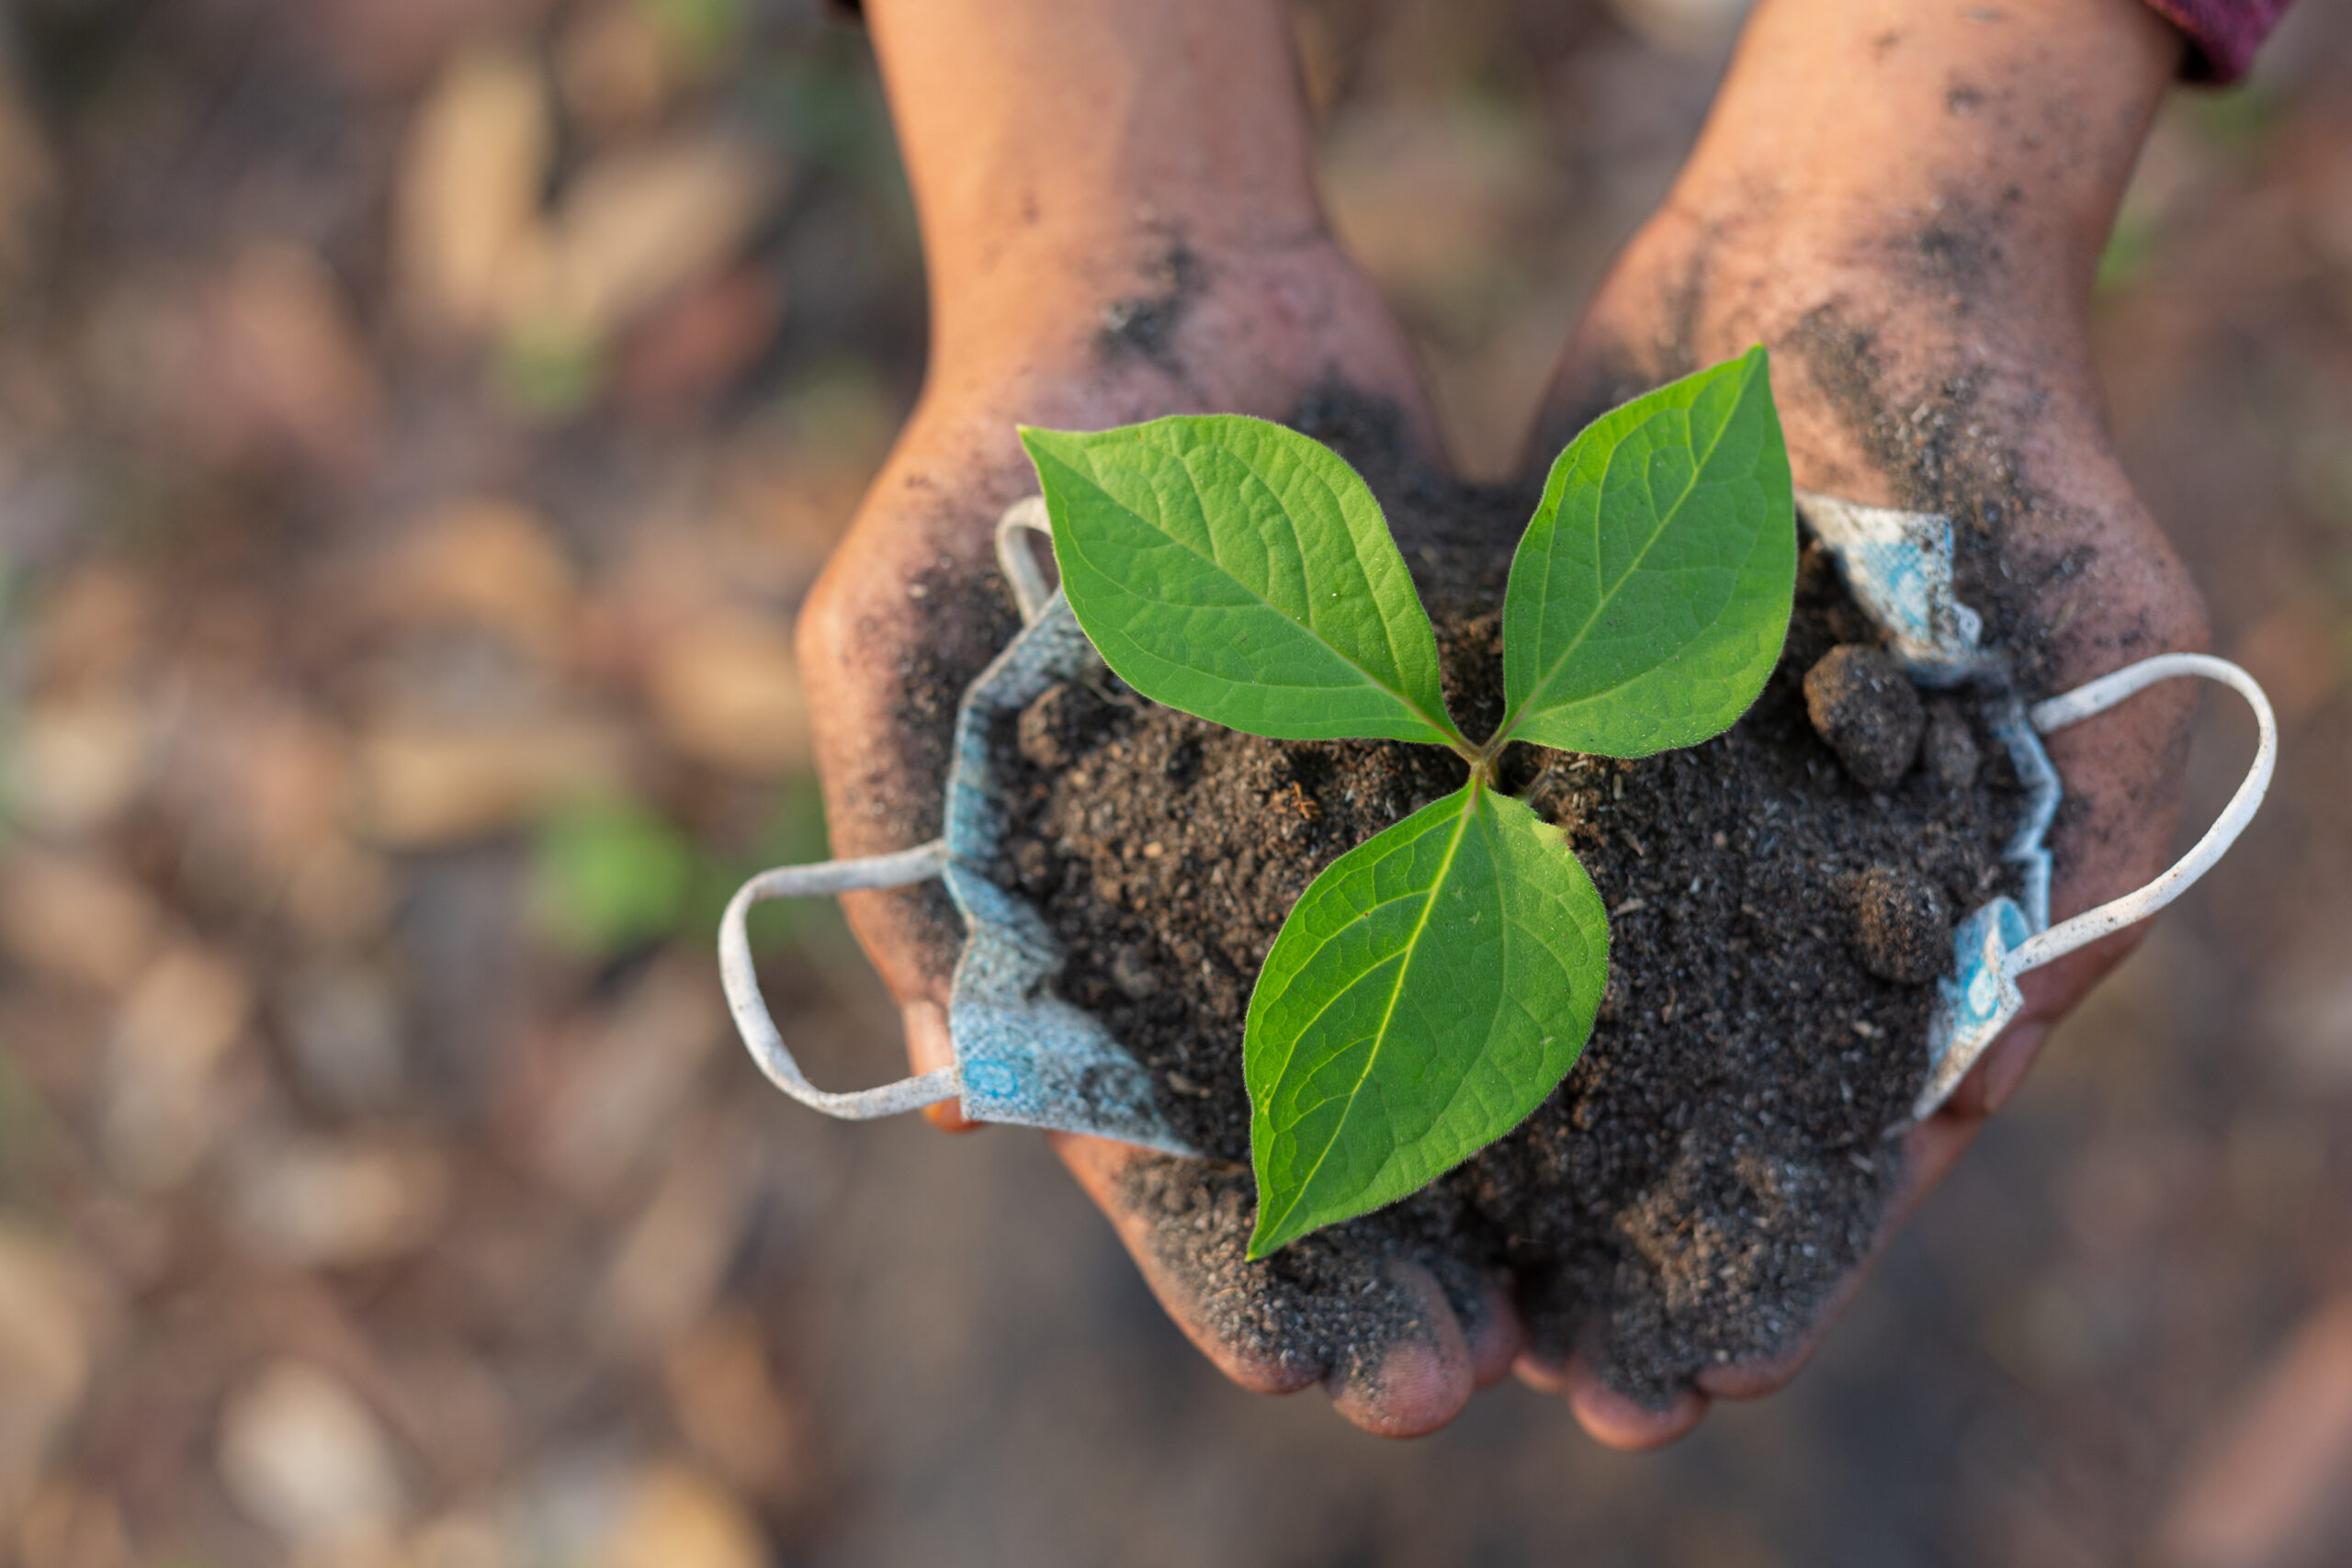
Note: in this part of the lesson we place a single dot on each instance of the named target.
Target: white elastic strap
(1018, 561)
(2133, 908)
(750, 1010)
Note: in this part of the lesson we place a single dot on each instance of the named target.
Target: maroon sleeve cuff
(2223, 34)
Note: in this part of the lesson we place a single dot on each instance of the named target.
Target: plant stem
(1481, 758)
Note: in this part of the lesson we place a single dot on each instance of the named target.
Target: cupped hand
(1932, 356)
(1125, 327)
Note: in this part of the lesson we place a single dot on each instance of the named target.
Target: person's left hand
(1923, 283)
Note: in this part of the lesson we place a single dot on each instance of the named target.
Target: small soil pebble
(1868, 711)
(1902, 925)
(1132, 973)
(1951, 751)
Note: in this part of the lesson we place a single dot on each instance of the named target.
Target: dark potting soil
(1722, 1153)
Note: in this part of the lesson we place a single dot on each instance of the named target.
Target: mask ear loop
(2099, 695)
(824, 878)
(1018, 561)
(750, 1009)
(1985, 996)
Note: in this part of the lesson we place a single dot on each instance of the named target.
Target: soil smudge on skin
(1719, 1158)
(1144, 324)
(1928, 443)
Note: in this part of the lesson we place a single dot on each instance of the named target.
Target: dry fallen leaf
(162, 1105)
(673, 1260)
(613, 67)
(302, 1455)
(725, 691)
(467, 199)
(69, 1526)
(426, 786)
(723, 1391)
(73, 766)
(280, 364)
(678, 1519)
(55, 1318)
(698, 343)
(488, 560)
(313, 1202)
(620, 1090)
(637, 225)
(94, 627)
(71, 917)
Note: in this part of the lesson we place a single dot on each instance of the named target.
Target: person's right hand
(1164, 257)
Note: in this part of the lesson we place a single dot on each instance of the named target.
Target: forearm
(1978, 148)
(1037, 132)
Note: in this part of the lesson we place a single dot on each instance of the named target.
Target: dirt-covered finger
(1191, 1255)
(1385, 1327)
(1927, 1152)
(1417, 1380)
(1620, 1422)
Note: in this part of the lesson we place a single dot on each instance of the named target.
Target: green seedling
(1435, 983)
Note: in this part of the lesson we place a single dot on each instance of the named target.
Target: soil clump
(1723, 1152)
(1868, 711)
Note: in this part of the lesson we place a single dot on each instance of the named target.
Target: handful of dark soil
(1779, 899)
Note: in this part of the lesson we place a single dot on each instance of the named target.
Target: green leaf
(1428, 990)
(1650, 595)
(1242, 573)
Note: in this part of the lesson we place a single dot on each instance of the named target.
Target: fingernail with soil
(929, 1048)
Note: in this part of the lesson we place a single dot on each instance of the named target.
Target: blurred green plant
(795, 834)
(607, 875)
(2238, 119)
(547, 373)
(697, 31)
(2130, 248)
(25, 1127)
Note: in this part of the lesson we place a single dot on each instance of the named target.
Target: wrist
(1985, 147)
(1161, 321)
(1860, 332)
(1125, 288)
(1056, 153)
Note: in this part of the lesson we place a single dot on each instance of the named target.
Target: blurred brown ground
(418, 421)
